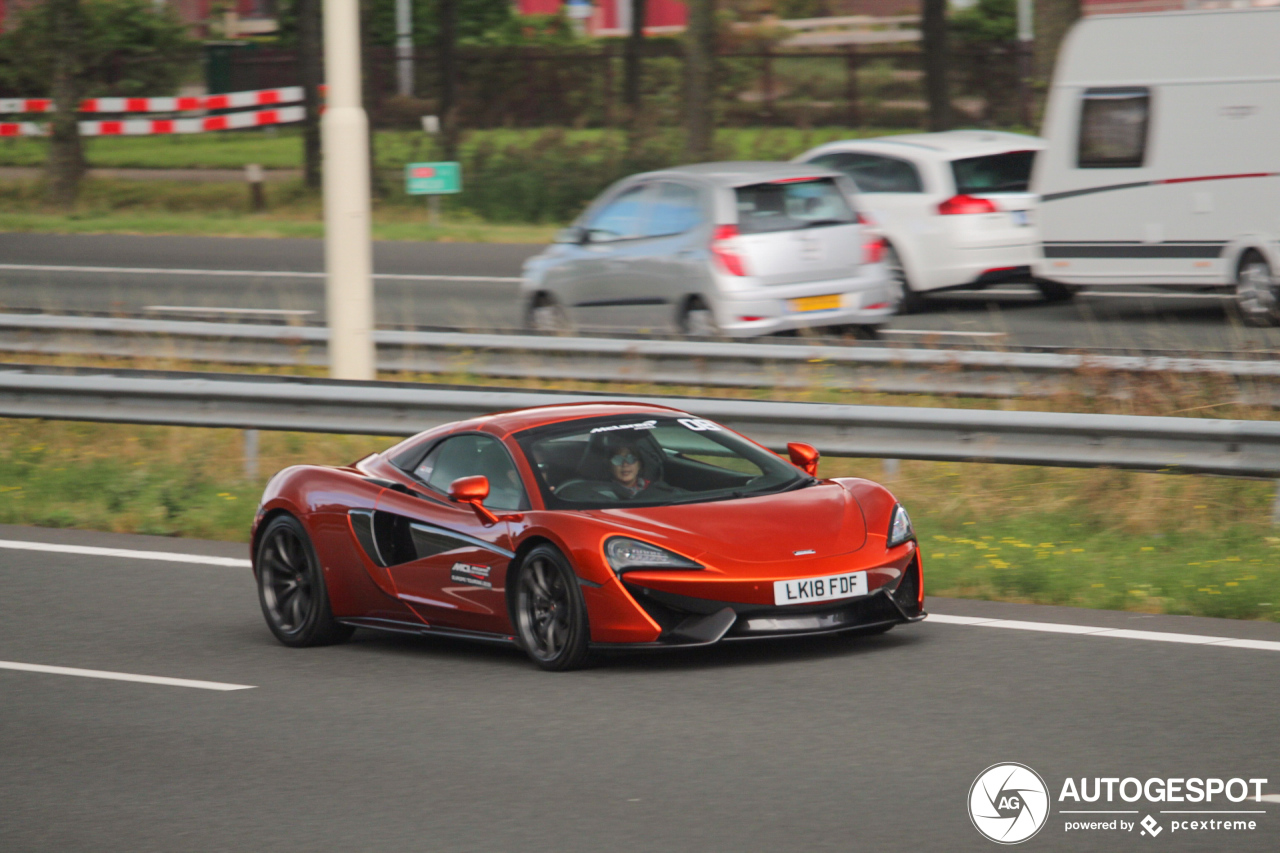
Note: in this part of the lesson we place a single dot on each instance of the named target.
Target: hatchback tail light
(873, 251)
(724, 247)
(966, 204)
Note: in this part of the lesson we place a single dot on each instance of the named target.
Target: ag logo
(1008, 803)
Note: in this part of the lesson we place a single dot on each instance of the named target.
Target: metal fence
(1171, 445)
(531, 86)
(650, 360)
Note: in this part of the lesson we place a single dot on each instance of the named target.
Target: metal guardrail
(1173, 445)
(655, 361)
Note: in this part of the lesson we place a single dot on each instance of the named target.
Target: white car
(954, 207)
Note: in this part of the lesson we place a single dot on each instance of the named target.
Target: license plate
(1021, 217)
(825, 588)
(816, 303)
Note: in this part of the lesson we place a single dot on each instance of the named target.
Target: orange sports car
(582, 527)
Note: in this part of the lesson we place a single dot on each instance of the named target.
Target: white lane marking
(162, 556)
(196, 309)
(1114, 633)
(1106, 294)
(245, 273)
(946, 332)
(122, 676)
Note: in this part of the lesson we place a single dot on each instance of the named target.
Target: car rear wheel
(550, 615)
(291, 588)
(1054, 291)
(909, 301)
(697, 320)
(1257, 292)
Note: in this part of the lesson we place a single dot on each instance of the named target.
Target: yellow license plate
(816, 303)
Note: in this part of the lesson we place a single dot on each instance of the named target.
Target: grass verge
(1142, 542)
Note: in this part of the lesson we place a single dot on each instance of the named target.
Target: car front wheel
(550, 615)
(291, 588)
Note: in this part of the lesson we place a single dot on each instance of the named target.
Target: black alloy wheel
(544, 314)
(550, 615)
(291, 587)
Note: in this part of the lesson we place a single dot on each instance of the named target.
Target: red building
(614, 16)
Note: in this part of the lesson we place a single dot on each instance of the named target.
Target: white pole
(344, 132)
(404, 47)
(1025, 33)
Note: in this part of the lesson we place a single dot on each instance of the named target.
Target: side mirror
(574, 234)
(473, 490)
(804, 457)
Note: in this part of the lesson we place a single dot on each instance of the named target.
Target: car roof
(947, 145)
(506, 423)
(737, 173)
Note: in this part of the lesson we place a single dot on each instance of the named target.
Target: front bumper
(687, 621)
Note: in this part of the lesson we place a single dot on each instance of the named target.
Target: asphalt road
(397, 744)
(476, 290)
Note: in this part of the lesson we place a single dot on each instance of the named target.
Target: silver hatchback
(738, 249)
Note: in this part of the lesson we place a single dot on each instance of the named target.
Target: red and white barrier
(149, 127)
(230, 100)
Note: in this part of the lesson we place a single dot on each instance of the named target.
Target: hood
(825, 519)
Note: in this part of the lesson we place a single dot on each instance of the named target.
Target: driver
(625, 466)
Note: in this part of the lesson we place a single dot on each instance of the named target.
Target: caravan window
(1113, 128)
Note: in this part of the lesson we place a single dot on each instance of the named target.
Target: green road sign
(432, 178)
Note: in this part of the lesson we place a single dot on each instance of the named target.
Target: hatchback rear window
(994, 173)
(792, 205)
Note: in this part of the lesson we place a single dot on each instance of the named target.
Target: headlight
(900, 529)
(625, 555)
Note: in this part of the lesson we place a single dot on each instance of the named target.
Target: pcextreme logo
(1008, 803)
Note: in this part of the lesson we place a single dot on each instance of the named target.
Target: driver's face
(626, 466)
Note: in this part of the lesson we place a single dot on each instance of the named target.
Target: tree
(632, 60)
(700, 44)
(73, 49)
(310, 73)
(934, 33)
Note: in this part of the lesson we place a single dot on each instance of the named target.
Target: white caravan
(1163, 164)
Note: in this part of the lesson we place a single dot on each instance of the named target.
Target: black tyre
(548, 611)
(1257, 292)
(697, 320)
(291, 589)
(909, 301)
(1054, 291)
(544, 314)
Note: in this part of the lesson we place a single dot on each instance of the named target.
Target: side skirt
(395, 626)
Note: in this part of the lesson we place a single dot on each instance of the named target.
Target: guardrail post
(890, 467)
(1275, 507)
(251, 455)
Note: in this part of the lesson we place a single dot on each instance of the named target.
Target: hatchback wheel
(909, 301)
(550, 615)
(544, 314)
(697, 320)
(1257, 292)
(291, 588)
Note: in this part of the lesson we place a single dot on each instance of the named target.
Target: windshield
(792, 205)
(995, 173)
(645, 460)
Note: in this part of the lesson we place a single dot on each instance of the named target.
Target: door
(674, 263)
(457, 577)
(603, 270)
(798, 231)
